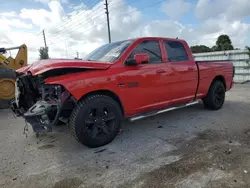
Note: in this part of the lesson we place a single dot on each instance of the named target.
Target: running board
(142, 116)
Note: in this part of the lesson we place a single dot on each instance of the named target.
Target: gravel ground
(190, 148)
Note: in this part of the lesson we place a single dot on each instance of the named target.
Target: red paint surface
(159, 85)
(42, 66)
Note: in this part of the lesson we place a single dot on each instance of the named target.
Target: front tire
(216, 96)
(96, 120)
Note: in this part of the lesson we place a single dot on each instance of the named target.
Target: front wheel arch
(108, 93)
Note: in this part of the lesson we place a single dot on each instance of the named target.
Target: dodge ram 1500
(131, 79)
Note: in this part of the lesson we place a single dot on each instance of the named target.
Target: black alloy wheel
(96, 120)
(216, 96)
(100, 121)
(219, 95)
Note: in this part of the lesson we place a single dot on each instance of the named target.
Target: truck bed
(212, 69)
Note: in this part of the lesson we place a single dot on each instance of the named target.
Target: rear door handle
(160, 71)
(191, 68)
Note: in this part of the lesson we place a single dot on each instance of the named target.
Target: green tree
(214, 48)
(223, 43)
(200, 49)
(43, 53)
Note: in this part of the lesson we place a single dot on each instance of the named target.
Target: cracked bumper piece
(41, 116)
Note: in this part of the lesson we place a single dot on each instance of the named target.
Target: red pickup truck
(131, 79)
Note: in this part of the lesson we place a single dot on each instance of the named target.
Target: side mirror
(141, 58)
(138, 59)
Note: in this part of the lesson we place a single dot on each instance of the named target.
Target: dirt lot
(189, 148)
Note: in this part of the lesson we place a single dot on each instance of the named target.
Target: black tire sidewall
(216, 85)
(81, 131)
(209, 100)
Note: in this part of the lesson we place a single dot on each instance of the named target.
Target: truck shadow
(184, 121)
(143, 145)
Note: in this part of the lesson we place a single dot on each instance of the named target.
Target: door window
(176, 51)
(152, 48)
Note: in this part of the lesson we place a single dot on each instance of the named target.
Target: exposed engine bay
(42, 105)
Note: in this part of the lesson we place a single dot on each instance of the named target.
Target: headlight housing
(51, 93)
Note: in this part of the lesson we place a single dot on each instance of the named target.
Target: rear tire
(216, 96)
(96, 120)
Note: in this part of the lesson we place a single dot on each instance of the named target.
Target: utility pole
(66, 47)
(44, 38)
(107, 12)
(77, 55)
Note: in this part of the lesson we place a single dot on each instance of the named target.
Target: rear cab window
(176, 51)
(151, 47)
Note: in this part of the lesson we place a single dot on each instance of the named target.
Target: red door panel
(147, 83)
(183, 73)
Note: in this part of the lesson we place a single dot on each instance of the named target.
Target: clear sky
(80, 25)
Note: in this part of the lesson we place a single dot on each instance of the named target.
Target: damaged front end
(42, 105)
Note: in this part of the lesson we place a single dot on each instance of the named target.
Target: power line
(90, 14)
(79, 24)
(76, 26)
(71, 23)
(67, 20)
(39, 33)
(124, 13)
(93, 2)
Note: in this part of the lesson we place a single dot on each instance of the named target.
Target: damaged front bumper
(39, 115)
(44, 112)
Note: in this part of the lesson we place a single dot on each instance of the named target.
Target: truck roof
(156, 38)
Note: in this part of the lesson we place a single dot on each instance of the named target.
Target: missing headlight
(51, 93)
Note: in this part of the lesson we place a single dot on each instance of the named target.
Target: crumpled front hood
(43, 66)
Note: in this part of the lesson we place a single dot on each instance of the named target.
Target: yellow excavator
(8, 74)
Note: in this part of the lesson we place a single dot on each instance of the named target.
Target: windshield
(109, 52)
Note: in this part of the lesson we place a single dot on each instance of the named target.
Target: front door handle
(160, 71)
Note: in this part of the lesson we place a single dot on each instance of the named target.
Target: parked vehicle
(130, 79)
(8, 65)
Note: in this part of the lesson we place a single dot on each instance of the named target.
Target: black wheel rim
(100, 121)
(219, 96)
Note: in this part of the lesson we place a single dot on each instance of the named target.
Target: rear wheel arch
(216, 78)
(219, 78)
(108, 93)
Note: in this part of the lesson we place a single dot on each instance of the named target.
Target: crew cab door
(182, 72)
(145, 85)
